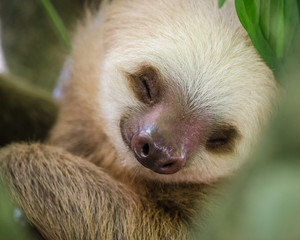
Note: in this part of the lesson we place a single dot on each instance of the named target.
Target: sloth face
(181, 90)
(167, 131)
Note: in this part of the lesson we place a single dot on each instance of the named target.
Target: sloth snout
(152, 151)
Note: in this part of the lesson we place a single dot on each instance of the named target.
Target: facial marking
(147, 84)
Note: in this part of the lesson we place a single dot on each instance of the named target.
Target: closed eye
(146, 87)
(146, 84)
(222, 139)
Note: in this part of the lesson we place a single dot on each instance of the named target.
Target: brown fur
(66, 197)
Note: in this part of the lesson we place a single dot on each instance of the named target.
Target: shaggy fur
(88, 184)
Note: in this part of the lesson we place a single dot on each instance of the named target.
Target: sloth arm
(66, 197)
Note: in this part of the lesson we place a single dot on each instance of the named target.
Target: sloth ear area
(146, 84)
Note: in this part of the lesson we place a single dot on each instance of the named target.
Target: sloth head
(180, 90)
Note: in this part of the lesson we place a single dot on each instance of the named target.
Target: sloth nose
(152, 152)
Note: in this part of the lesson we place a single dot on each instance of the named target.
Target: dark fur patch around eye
(147, 84)
(222, 139)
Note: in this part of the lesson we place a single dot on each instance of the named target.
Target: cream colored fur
(202, 49)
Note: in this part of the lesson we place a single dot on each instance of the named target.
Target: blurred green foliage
(13, 222)
(57, 22)
(30, 43)
(271, 25)
(9, 228)
(221, 3)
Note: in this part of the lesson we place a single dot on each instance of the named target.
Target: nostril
(168, 165)
(145, 150)
(142, 145)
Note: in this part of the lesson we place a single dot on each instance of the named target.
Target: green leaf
(271, 25)
(57, 22)
(221, 3)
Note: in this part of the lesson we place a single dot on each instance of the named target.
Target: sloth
(160, 102)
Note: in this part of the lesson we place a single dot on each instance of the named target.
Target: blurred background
(31, 45)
